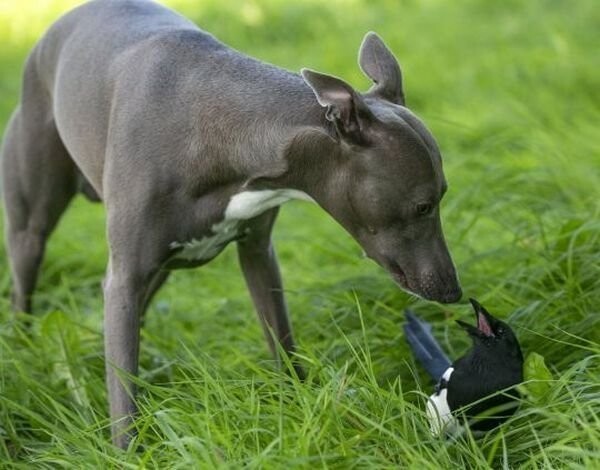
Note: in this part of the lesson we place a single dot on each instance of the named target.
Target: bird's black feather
(424, 346)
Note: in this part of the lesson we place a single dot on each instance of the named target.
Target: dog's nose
(444, 289)
(452, 295)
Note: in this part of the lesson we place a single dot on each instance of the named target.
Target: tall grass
(510, 90)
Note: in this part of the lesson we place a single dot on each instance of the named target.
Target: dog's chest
(241, 207)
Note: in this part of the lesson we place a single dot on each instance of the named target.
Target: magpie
(469, 387)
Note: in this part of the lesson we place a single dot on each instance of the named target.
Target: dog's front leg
(259, 264)
(135, 260)
(123, 298)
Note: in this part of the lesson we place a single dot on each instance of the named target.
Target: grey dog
(192, 145)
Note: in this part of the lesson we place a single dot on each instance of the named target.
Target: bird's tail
(425, 348)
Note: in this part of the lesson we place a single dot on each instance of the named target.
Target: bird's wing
(425, 348)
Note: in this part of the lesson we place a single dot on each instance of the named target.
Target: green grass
(510, 89)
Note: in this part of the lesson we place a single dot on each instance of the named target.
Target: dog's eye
(424, 208)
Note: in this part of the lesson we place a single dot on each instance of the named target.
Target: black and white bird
(494, 364)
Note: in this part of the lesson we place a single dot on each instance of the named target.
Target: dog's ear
(380, 65)
(345, 107)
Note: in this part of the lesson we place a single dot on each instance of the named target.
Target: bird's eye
(424, 208)
(500, 331)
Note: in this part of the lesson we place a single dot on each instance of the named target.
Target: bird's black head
(494, 363)
(493, 339)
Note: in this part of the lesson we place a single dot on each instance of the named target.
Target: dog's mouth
(398, 275)
(425, 287)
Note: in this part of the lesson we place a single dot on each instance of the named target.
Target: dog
(192, 145)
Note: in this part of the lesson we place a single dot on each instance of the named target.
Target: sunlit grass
(510, 91)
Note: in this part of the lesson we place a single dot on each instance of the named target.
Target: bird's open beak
(484, 322)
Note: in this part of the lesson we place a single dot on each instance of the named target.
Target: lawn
(510, 90)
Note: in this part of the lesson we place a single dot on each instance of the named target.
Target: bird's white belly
(438, 411)
(242, 206)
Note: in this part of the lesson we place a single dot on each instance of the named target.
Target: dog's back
(113, 64)
(83, 57)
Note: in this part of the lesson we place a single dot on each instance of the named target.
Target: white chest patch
(438, 411)
(242, 206)
(249, 204)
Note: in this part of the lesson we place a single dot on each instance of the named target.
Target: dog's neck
(312, 156)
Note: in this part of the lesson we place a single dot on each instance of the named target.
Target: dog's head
(389, 179)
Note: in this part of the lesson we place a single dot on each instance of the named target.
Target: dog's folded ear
(380, 65)
(345, 107)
